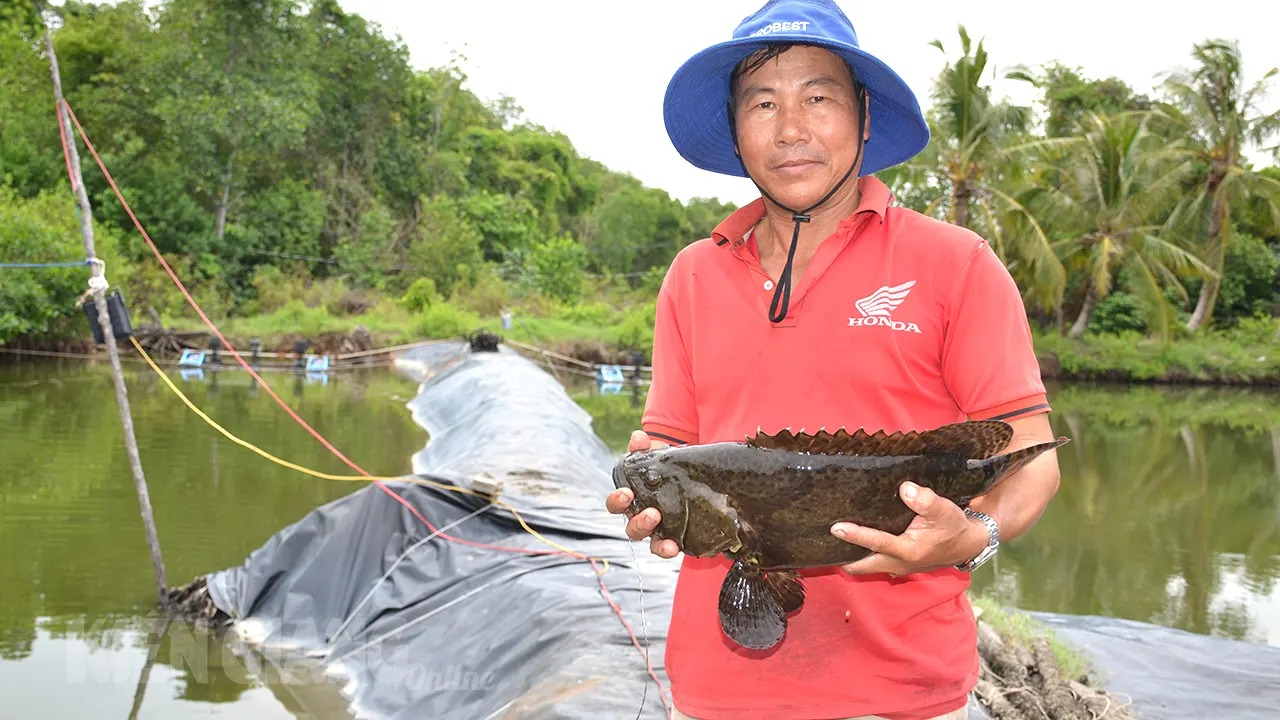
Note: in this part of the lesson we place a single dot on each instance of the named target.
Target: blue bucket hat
(695, 109)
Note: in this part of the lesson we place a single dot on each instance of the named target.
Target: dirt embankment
(1026, 683)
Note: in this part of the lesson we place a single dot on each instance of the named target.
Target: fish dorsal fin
(976, 439)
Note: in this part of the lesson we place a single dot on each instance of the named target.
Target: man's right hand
(641, 526)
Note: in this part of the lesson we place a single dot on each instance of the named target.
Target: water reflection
(1169, 510)
(1145, 517)
(1169, 513)
(75, 579)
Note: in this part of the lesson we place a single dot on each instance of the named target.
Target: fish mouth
(619, 482)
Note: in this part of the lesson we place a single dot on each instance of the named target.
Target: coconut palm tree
(969, 174)
(1108, 190)
(1210, 106)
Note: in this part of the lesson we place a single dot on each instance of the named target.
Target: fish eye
(651, 481)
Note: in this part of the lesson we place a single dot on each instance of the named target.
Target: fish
(767, 503)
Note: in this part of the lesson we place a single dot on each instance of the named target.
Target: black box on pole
(116, 310)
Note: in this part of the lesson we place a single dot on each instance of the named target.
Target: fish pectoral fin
(787, 587)
(750, 613)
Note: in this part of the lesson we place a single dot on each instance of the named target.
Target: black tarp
(1172, 674)
(478, 633)
(487, 634)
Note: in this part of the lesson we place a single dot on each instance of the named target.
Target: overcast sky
(596, 70)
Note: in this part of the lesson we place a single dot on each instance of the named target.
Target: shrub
(486, 296)
(420, 295)
(443, 320)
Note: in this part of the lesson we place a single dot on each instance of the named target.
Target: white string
(394, 565)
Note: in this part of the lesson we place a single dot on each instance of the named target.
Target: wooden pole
(98, 285)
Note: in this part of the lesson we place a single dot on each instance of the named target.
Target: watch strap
(993, 542)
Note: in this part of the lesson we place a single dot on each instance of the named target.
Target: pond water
(1169, 513)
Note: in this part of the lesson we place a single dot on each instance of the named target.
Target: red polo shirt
(900, 322)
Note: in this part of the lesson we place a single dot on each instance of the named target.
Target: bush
(487, 296)
(420, 295)
(443, 320)
(276, 290)
(636, 329)
(350, 302)
(295, 317)
(1258, 331)
(43, 300)
(556, 268)
(1245, 354)
(1119, 312)
(589, 313)
(1250, 281)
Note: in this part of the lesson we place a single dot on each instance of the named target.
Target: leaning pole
(98, 286)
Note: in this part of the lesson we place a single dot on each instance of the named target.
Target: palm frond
(1038, 252)
(1170, 254)
(1149, 291)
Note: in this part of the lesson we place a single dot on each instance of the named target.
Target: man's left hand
(940, 536)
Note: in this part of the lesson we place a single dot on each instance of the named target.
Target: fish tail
(1008, 463)
(751, 613)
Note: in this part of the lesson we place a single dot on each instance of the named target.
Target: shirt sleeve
(670, 412)
(988, 358)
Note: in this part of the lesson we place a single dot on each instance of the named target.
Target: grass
(1021, 629)
(1246, 354)
(607, 328)
(314, 321)
(595, 331)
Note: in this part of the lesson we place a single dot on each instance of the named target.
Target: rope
(278, 368)
(214, 328)
(559, 549)
(346, 478)
(365, 475)
(77, 263)
(386, 575)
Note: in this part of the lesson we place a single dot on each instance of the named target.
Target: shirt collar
(874, 196)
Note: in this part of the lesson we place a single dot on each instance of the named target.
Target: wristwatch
(993, 544)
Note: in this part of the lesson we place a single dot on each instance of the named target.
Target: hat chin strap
(782, 293)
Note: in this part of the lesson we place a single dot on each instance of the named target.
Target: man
(822, 305)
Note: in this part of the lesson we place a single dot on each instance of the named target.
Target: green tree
(971, 171)
(360, 148)
(1109, 199)
(44, 229)
(1251, 279)
(529, 163)
(1218, 115)
(556, 267)
(445, 247)
(508, 225)
(1070, 99)
(238, 98)
(704, 214)
(636, 228)
(30, 156)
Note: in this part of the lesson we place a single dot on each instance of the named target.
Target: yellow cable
(345, 478)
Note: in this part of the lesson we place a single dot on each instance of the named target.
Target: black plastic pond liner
(457, 631)
(464, 632)
(1173, 674)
